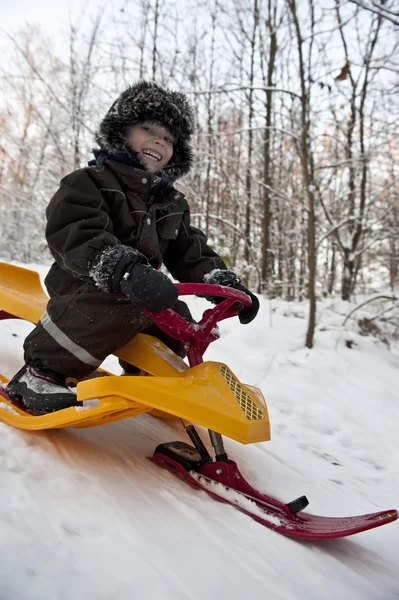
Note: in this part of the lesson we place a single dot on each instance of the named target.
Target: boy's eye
(150, 130)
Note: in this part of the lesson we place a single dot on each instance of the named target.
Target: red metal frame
(5, 315)
(269, 511)
(197, 336)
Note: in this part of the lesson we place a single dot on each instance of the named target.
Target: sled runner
(204, 393)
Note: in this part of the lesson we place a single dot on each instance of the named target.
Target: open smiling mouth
(153, 154)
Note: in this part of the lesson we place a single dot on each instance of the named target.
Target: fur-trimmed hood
(146, 101)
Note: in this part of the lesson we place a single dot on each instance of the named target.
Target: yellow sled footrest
(109, 409)
(208, 394)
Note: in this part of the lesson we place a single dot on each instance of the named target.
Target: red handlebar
(196, 337)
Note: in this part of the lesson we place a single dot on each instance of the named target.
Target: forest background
(296, 177)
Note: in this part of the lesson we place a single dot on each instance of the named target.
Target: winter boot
(41, 391)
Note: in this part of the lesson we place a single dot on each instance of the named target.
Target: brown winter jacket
(102, 206)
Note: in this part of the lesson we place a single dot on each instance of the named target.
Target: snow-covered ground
(84, 515)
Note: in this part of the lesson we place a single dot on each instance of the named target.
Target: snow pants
(79, 330)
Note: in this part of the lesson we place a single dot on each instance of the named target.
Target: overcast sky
(52, 15)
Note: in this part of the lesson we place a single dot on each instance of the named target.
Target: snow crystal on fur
(104, 264)
(221, 277)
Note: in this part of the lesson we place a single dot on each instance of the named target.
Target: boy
(110, 226)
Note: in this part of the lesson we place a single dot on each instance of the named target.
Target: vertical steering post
(217, 443)
(198, 443)
(196, 336)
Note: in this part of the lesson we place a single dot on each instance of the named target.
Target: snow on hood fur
(146, 101)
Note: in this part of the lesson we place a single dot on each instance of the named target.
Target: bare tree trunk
(248, 177)
(209, 141)
(308, 182)
(145, 7)
(80, 79)
(357, 214)
(332, 272)
(155, 40)
(271, 25)
(302, 280)
(393, 260)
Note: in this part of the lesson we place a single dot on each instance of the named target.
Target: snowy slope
(84, 514)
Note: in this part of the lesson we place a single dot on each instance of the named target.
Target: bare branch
(378, 9)
(378, 297)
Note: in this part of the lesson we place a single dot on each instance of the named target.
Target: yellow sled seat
(21, 293)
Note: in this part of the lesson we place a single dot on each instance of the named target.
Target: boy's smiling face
(152, 142)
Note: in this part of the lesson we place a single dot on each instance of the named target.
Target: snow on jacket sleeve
(78, 223)
(189, 258)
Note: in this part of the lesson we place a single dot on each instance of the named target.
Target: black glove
(145, 286)
(230, 279)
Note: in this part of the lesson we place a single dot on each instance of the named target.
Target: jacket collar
(132, 175)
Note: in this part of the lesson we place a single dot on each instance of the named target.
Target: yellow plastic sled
(206, 393)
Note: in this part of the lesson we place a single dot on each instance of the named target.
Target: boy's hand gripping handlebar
(196, 336)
